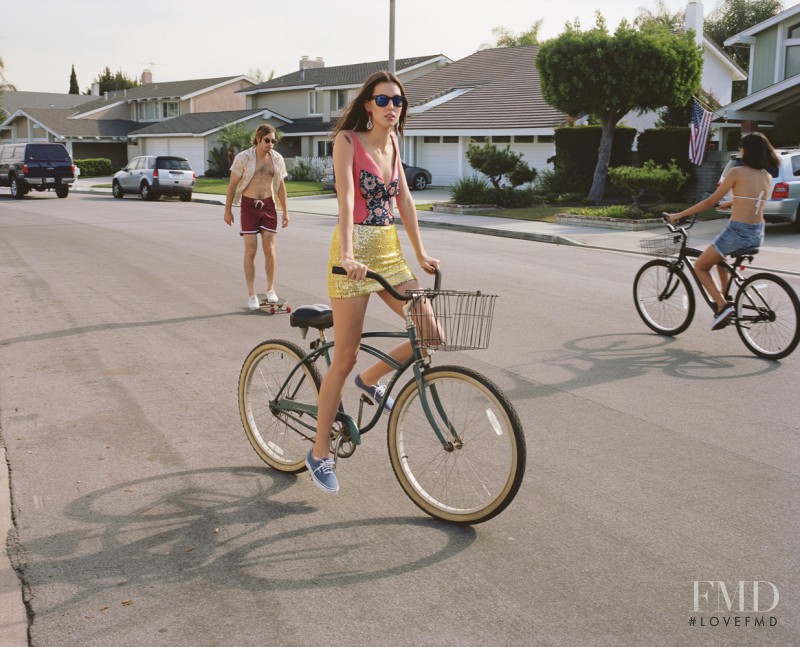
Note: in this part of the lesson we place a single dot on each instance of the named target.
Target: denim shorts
(738, 235)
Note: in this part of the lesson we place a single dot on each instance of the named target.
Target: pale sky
(194, 39)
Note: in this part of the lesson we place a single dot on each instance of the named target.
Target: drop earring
(369, 121)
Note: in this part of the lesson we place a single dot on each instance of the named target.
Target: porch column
(749, 126)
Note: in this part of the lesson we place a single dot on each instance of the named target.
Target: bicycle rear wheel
(768, 316)
(664, 298)
(477, 476)
(280, 438)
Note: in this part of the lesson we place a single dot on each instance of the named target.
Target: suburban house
(774, 80)
(492, 95)
(314, 96)
(119, 125)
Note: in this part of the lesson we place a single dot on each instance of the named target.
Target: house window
(546, 139)
(792, 52)
(148, 111)
(501, 139)
(431, 140)
(324, 148)
(170, 109)
(477, 139)
(523, 139)
(341, 99)
(449, 139)
(314, 103)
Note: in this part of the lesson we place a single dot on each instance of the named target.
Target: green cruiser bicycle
(455, 441)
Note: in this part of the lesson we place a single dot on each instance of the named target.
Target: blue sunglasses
(382, 100)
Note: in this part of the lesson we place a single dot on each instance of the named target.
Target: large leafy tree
(734, 16)
(597, 73)
(659, 15)
(504, 37)
(4, 85)
(110, 81)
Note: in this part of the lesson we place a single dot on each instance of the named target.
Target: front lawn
(219, 186)
(548, 212)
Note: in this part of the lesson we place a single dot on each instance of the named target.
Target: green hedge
(576, 152)
(663, 145)
(96, 167)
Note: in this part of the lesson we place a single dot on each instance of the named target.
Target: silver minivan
(152, 176)
(784, 201)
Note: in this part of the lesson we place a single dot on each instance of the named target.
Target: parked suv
(36, 166)
(152, 176)
(783, 204)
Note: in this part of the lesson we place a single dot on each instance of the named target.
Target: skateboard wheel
(288, 309)
(272, 311)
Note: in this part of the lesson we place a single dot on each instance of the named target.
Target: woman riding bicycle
(749, 185)
(368, 171)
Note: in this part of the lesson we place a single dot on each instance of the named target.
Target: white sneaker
(272, 297)
(253, 303)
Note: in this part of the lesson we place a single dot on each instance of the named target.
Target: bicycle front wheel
(664, 298)
(476, 476)
(280, 437)
(767, 315)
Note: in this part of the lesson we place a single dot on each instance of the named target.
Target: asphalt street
(658, 468)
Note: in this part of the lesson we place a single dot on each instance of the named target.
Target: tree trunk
(603, 157)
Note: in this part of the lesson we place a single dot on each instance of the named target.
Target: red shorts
(258, 216)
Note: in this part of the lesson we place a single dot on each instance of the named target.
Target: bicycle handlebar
(676, 228)
(337, 269)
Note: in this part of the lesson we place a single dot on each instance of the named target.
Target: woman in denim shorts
(749, 185)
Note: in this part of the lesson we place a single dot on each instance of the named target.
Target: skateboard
(273, 308)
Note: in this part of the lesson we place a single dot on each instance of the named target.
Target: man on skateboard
(256, 181)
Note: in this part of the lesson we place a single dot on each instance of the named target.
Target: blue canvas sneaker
(322, 473)
(375, 394)
(722, 318)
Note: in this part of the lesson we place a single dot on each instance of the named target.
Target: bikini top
(372, 203)
(759, 200)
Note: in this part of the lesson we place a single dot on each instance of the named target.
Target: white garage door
(441, 160)
(192, 148)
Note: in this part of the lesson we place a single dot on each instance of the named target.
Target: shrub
(611, 211)
(95, 167)
(220, 160)
(470, 190)
(665, 145)
(648, 180)
(307, 170)
(576, 154)
(500, 163)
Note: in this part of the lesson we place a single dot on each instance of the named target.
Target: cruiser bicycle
(455, 442)
(766, 308)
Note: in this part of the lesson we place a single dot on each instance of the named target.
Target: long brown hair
(355, 116)
(262, 131)
(757, 151)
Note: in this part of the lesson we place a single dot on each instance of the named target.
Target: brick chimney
(147, 77)
(306, 63)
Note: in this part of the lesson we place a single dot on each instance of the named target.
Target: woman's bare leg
(702, 266)
(348, 323)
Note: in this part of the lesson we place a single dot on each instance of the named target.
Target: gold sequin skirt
(378, 247)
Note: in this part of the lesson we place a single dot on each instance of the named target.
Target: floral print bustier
(373, 197)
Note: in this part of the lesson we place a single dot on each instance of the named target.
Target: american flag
(698, 132)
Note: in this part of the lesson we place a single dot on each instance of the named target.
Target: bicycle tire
(667, 316)
(478, 478)
(273, 434)
(768, 316)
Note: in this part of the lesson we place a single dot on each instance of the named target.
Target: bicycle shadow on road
(213, 526)
(598, 359)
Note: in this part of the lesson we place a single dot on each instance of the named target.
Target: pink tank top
(372, 203)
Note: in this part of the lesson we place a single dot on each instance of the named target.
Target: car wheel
(16, 189)
(62, 191)
(420, 182)
(146, 193)
(116, 190)
(186, 197)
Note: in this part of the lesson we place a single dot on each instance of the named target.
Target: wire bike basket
(662, 245)
(452, 320)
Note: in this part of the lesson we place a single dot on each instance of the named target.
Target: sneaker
(272, 297)
(253, 303)
(375, 393)
(322, 473)
(722, 318)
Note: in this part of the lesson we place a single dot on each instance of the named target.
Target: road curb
(503, 233)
